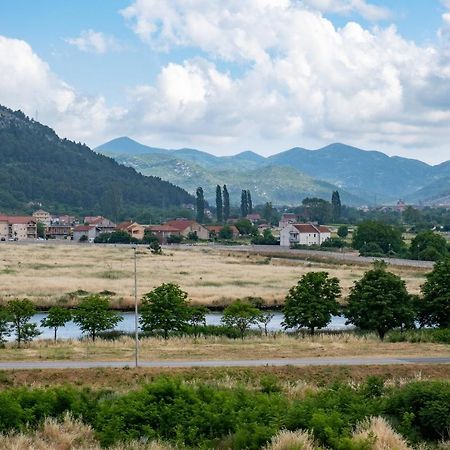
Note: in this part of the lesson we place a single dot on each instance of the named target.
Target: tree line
(378, 302)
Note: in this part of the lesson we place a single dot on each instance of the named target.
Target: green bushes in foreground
(201, 415)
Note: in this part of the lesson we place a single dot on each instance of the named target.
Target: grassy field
(218, 348)
(46, 273)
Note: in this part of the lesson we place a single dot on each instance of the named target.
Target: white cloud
(94, 42)
(27, 83)
(300, 80)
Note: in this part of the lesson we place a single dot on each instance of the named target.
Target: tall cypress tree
(219, 204)
(336, 206)
(226, 203)
(200, 205)
(244, 203)
(249, 203)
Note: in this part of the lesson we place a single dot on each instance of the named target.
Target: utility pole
(136, 324)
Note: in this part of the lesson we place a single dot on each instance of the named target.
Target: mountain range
(362, 177)
(39, 168)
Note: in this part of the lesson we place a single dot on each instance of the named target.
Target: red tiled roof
(162, 228)
(124, 225)
(310, 228)
(217, 228)
(17, 219)
(83, 228)
(180, 225)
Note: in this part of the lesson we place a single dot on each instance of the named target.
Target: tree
(379, 302)
(20, 312)
(311, 302)
(267, 212)
(249, 203)
(155, 247)
(149, 237)
(240, 315)
(336, 206)
(5, 326)
(197, 317)
(387, 237)
(94, 315)
(263, 321)
(40, 229)
(244, 203)
(56, 317)
(267, 238)
(436, 295)
(245, 227)
(226, 232)
(200, 203)
(342, 231)
(428, 246)
(219, 204)
(226, 203)
(165, 310)
(316, 209)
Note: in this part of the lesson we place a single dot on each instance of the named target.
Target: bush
(441, 336)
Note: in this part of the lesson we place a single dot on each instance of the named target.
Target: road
(225, 363)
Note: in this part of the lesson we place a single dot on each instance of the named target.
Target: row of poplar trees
(223, 204)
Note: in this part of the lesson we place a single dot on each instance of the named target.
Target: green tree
(240, 315)
(249, 202)
(57, 317)
(267, 238)
(436, 295)
(94, 315)
(165, 310)
(387, 237)
(428, 246)
(5, 326)
(379, 302)
(226, 232)
(263, 321)
(336, 206)
(226, 203)
(155, 247)
(40, 228)
(197, 318)
(246, 228)
(20, 313)
(342, 231)
(149, 237)
(219, 204)
(316, 209)
(267, 212)
(312, 302)
(200, 205)
(244, 203)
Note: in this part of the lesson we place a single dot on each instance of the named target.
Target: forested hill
(39, 167)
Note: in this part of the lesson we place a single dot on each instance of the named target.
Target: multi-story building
(43, 217)
(304, 234)
(17, 228)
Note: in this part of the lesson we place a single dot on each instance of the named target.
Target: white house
(303, 234)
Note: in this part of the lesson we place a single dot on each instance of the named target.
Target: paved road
(224, 363)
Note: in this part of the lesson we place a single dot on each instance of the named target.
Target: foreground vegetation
(201, 414)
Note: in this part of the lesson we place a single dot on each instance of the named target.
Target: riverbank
(274, 346)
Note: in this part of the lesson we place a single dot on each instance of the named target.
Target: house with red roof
(304, 234)
(134, 229)
(214, 230)
(17, 228)
(163, 232)
(85, 233)
(105, 225)
(185, 227)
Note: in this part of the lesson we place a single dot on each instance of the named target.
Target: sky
(227, 76)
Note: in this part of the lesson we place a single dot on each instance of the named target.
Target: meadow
(47, 273)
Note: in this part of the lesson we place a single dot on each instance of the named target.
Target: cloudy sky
(232, 75)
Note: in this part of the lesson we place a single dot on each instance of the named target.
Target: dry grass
(294, 381)
(69, 434)
(45, 273)
(378, 431)
(220, 348)
(292, 440)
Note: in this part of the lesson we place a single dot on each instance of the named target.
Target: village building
(286, 219)
(17, 228)
(103, 224)
(254, 218)
(43, 217)
(56, 231)
(90, 232)
(185, 227)
(134, 229)
(163, 232)
(304, 234)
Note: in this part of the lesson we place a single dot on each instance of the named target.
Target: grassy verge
(218, 348)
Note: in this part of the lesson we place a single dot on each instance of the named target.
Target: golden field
(47, 272)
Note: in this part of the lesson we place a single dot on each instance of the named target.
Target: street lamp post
(136, 325)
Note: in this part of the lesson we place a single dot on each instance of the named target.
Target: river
(71, 330)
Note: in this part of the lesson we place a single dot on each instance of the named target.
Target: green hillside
(39, 168)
